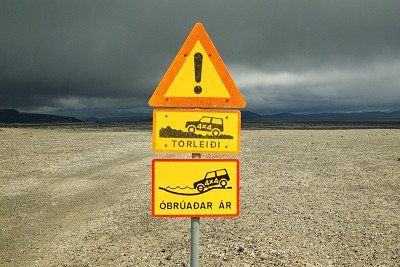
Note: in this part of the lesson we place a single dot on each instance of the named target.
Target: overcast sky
(104, 58)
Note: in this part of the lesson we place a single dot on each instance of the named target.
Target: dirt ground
(73, 197)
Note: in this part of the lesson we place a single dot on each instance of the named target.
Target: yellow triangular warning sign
(197, 77)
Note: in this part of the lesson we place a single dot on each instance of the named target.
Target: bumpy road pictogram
(212, 125)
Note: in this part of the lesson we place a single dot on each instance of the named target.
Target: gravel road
(308, 198)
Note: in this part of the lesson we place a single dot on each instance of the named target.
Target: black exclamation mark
(198, 63)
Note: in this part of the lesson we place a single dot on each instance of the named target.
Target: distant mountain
(248, 116)
(89, 119)
(132, 118)
(14, 116)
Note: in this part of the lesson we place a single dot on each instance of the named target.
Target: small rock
(168, 257)
(263, 256)
(163, 250)
(241, 249)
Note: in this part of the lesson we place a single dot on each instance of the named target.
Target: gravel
(72, 197)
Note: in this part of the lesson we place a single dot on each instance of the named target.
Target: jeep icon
(211, 179)
(207, 124)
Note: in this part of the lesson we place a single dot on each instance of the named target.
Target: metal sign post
(194, 241)
(195, 233)
(197, 78)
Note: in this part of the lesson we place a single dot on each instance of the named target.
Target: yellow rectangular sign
(195, 187)
(196, 131)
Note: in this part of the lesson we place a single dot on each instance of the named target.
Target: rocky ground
(71, 197)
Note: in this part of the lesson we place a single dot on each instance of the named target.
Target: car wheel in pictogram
(223, 183)
(191, 129)
(215, 132)
(200, 188)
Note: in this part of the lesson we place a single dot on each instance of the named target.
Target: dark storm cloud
(82, 57)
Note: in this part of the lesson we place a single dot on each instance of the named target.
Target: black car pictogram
(213, 178)
(207, 124)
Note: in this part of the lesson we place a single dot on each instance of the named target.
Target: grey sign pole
(194, 233)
